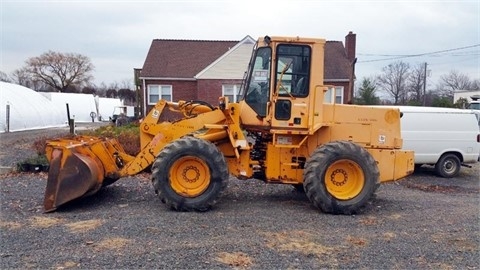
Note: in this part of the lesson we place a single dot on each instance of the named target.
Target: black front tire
(448, 166)
(186, 161)
(343, 161)
(299, 188)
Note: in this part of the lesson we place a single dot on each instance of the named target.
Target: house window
(157, 92)
(339, 94)
(334, 94)
(232, 91)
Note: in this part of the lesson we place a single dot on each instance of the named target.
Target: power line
(453, 61)
(394, 57)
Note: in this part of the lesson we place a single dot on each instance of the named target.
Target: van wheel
(341, 177)
(448, 166)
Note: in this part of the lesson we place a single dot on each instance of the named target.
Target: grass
(37, 163)
(128, 136)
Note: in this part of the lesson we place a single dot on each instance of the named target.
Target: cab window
(292, 70)
(258, 86)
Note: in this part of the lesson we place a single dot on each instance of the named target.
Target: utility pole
(425, 85)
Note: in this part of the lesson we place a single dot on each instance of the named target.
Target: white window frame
(338, 96)
(163, 91)
(236, 89)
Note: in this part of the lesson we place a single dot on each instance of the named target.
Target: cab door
(291, 90)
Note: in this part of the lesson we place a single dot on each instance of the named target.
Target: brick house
(340, 67)
(205, 70)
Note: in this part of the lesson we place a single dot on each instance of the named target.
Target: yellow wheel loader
(286, 130)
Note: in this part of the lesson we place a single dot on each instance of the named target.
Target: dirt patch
(84, 226)
(237, 260)
(10, 225)
(112, 243)
(297, 241)
(369, 221)
(389, 236)
(462, 244)
(67, 265)
(395, 216)
(44, 222)
(357, 241)
(437, 188)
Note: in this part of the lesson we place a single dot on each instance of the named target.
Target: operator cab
(278, 82)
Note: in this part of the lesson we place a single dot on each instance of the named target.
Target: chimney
(350, 46)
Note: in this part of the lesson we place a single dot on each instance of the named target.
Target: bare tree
(475, 85)
(453, 81)
(127, 95)
(394, 81)
(63, 72)
(126, 84)
(88, 90)
(416, 82)
(4, 77)
(111, 93)
(113, 85)
(22, 77)
(101, 90)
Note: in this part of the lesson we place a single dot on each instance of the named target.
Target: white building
(465, 94)
(25, 109)
(28, 109)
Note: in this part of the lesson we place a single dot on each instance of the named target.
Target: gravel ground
(419, 222)
(18, 146)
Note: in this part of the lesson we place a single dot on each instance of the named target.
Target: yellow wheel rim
(189, 176)
(344, 179)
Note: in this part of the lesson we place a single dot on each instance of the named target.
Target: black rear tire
(189, 174)
(448, 165)
(341, 177)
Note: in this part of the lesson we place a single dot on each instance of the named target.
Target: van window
(474, 106)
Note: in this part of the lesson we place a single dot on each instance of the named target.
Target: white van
(475, 103)
(443, 137)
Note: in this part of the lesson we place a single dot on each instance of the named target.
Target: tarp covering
(82, 105)
(28, 109)
(36, 110)
(107, 107)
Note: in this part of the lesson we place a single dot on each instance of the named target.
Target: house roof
(193, 58)
(337, 66)
(232, 64)
(169, 58)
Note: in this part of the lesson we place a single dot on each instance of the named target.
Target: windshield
(258, 81)
(474, 106)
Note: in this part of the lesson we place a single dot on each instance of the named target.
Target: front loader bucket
(80, 167)
(71, 176)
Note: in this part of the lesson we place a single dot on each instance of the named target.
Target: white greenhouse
(25, 109)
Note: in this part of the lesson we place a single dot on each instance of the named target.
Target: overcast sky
(116, 35)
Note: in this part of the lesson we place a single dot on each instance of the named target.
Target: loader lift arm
(154, 136)
(82, 165)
